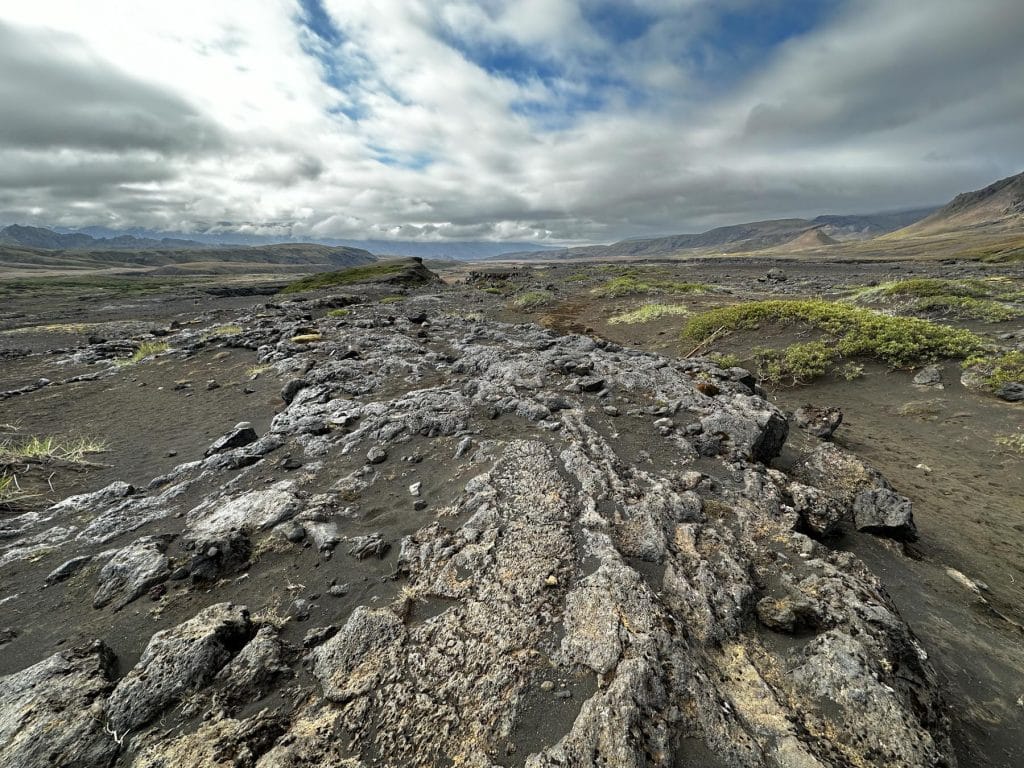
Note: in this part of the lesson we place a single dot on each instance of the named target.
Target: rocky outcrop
(586, 559)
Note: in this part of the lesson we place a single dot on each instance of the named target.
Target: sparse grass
(306, 338)
(648, 313)
(347, 276)
(54, 328)
(628, 285)
(848, 331)
(493, 290)
(146, 350)
(229, 329)
(255, 371)
(46, 448)
(339, 312)
(8, 490)
(392, 299)
(999, 369)
(532, 300)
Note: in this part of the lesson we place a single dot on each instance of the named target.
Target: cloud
(560, 121)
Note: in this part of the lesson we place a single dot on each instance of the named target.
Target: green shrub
(852, 332)
(999, 369)
(967, 308)
(648, 313)
(796, 364)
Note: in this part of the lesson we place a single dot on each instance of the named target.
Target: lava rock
(885, 512)
(817, 421)
(243, 434)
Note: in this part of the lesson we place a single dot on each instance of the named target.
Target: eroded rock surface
(597, 568)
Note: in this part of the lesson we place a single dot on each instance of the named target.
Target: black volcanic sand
(968, 492)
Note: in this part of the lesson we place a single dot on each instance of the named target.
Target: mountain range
(996, 210)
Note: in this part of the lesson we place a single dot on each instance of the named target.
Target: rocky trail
(463, 542)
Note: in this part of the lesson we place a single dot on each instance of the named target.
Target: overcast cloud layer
(546, 120)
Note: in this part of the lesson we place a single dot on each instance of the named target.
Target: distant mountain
(49, 240)
(463, 250)
(741, 238)
(998, 206)
(863, 227)
(302, 257)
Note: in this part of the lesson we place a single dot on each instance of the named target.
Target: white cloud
(184, 115)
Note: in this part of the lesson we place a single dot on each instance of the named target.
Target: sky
(550, 121)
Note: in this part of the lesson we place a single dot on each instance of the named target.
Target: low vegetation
(145, 350)
(392, 299)
(533, 300)
(999, 369)
(988, 300)
(347, 276)
(648, 313)
(230, 329)
(341, 312)
(846, 332)
(629, 285)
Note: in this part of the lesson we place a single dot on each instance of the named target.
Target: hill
(811, 238)
(999, 206)
(288, 257)
(738, 238)
(47, 239)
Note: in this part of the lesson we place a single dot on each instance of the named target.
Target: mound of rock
(600, 569)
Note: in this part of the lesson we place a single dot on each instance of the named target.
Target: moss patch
(848, 332)
(628, 285)
(999, 369)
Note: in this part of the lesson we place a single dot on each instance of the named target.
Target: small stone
(547, 685)
(338, 590)
(565, 693)
(212, 384)
(551, 581)
(376, 455)
(929, 376)
(591, 384)
(611, 410)
(419, 505)
(1011, 393)
(820, 422)
(414, 489)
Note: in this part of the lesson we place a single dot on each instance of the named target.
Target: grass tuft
(648, 313)
(532, 300)
(339, 312)
(146, 350)
(44, 448)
